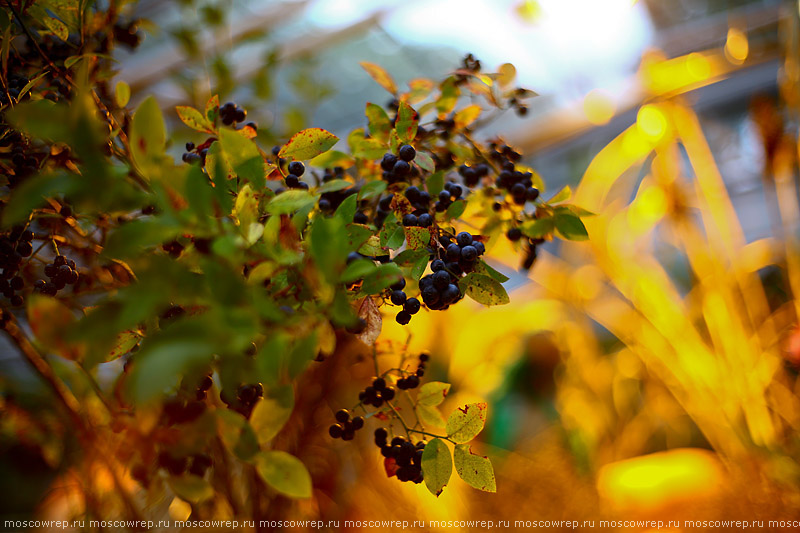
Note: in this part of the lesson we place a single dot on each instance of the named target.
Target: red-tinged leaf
(194, 119)
(417, 238)
(308, 144)
(212, 109)
(378, 74)
(425, 162)
(381, 416)
(390, 466)
(401, 206)
(372, 315)
(248, 131)
(407, 122)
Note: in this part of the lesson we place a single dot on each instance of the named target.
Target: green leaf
(168, 355)
(482, 267)
(272, 412)
(466, 422)
(538, 228)
(122, 93)
(212, 109)
(148, 138)
(456, 209)
(371, 189)
(425, 162)
(419, 266)
(437, 466)
(284, 472)
(369, 149)
(357, 235)
(576, 210)
(194, 119)
(332, 158)
(433, 393)
(383, 276)
(430, 416)
(380, 75)
(392, 233)
(190, 488)
(333, 185)
(408, 257)
(243, 156)
(449, 96)
(236, 433)
(308, 144)
(327, 246)
(435, 183)
(379, 123)
(560, 196)
(475, 470)
(245, 209)
(571, 227)
(483, 289)
(290, 201)
(137, 236)
(407, 122)
(357, 270)
(32, 193)
(347, 209)
(28, 86)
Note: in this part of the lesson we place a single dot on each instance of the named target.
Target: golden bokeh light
(599, 107)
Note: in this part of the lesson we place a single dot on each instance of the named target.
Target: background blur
(650, 372)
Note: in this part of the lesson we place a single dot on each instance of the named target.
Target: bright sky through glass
(573, 46)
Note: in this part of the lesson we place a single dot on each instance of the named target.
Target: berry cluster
(61, 272)
(412, 381)
(473, 175)
(292, 179)
(13, 248)
(23, 165)
(377, 393)
(230, 113)
(402, 456)
(518, 184)
(194, 154)
(346, 427)
(398, 168)
(244, 400)
(16, 83)
(411, 306)
(440, 288)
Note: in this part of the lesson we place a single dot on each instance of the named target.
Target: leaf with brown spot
(433, 393)
(475, 470)
(194, 119)
(372, 315)
(466, 422)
